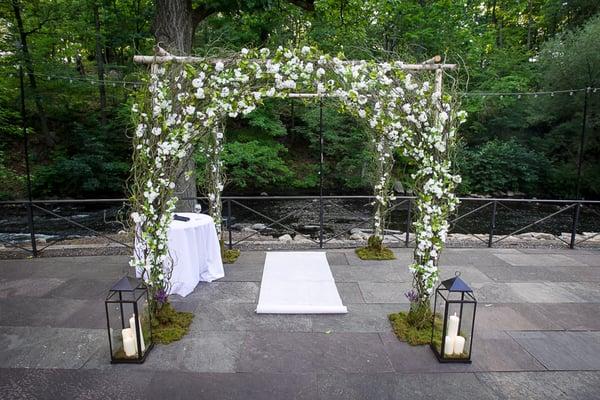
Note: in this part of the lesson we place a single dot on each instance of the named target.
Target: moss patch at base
(230, 256)
(170, 325)
(411, 335)
(375, 250)
(368, 253)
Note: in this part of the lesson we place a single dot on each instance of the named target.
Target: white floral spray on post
(215, 175)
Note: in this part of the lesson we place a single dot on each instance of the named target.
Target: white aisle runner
(298, 283)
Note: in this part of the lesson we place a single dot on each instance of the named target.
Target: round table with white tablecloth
(196, 253)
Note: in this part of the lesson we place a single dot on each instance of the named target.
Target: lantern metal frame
(141, 286)
(465, 291)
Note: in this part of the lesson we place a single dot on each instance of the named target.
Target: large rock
(285, 238)
(237, 227)
(301, 239)
(259, 227)
(543, 236)
(357, 236)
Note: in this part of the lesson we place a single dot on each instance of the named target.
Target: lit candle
(132, 326)
(459, 345)
(449, 345)
(453, 325)
(129, 343)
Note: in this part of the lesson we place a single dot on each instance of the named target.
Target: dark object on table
(180, 218)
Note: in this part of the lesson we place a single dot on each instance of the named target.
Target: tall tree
(27, 60)
(174, 27)
(100, 61)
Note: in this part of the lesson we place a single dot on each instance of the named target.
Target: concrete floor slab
(543, 385)
(543, 292)
(360, 318)
(225, 316)
(539, 315)
(30, 287)
(540, 260)
(44, 347)
(384, 292)
(402, 386)
(277, 352)
(562, 350)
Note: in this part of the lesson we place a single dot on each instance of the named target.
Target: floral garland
(215, 175)
(191, 102)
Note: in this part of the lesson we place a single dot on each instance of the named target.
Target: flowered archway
(189, 98)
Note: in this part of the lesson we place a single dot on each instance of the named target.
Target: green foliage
(170, 325)
(86, 166)
(347, 158)
(12, 183)
(502, 166)
(494, 41)
(252, 166)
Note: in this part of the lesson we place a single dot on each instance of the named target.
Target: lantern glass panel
(121, 308)
(438, 326)
(452, 306)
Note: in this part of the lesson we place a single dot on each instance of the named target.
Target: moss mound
(230, 256)
(375, 250)
(411, 334)
(365, 253)
(170, 325)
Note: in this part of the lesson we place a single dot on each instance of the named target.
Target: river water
(339, 216)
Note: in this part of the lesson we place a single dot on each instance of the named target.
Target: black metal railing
(489, 220)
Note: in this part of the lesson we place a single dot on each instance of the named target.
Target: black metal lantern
(128, 321)
(453, 321)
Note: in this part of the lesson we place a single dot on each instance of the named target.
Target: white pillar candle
(449, 345)
(453, 325)
(459, 345)
(132, 326)
(129, 343)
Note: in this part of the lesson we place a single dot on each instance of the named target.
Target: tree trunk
(174, 27)
(48, 137)
(100, 64)
(79, 62)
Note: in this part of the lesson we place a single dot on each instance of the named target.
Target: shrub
(502, 166)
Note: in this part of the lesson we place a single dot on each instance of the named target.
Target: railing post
(321, 174)
(27, 169)
(230, 245)
(492, 224)
(575, 223)
(408, 220)
(31, 228)
(321, 223)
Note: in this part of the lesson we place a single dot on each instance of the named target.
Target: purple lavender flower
(161, 296)
(412, 296)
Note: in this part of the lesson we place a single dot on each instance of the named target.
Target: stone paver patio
(537, 334)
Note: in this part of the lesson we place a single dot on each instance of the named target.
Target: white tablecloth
(196, 253)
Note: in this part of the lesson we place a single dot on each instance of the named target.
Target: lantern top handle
(456, 284)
